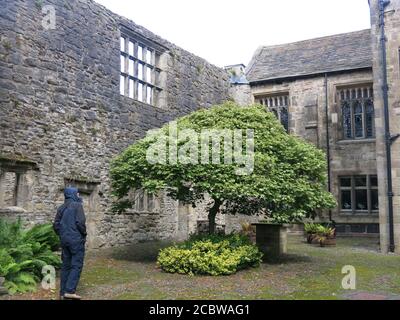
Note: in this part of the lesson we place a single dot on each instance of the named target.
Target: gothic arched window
(358, 116)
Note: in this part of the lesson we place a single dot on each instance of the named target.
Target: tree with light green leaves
(240, 157)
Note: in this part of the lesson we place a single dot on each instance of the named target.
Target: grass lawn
(307, 272)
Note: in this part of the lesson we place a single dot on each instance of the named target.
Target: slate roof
(340, 52)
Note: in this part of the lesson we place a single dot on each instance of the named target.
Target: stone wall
(241, 93)
(392, 23)
(61, 110)
(307, 119)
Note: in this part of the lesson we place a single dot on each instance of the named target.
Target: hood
(72, 194)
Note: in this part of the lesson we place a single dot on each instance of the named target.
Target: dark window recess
(357, 228)
(279, 105)
(340, 228)
(357, 106)
(359, 194)
(373, 228)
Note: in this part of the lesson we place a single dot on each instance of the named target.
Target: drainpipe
(389, 139)
(328, 149)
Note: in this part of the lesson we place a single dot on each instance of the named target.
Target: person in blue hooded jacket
(70, 225)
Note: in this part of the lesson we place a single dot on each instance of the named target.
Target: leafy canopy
(288, 181)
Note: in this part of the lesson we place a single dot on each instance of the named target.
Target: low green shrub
(23, 254)
(210, 255)
(311, 228)
(316, 228)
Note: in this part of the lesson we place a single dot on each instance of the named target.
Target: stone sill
(140, 103)
(356, 218)
(12, 210)
(311, 125)
(360, 214)
(360, 141)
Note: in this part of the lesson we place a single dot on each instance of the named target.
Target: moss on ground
(307, 272)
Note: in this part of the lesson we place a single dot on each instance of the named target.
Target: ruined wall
(392, 30)
(307, 119)
(241, 94)
(61, 110)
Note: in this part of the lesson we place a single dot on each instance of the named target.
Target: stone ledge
(3, 291)
(12, 210)
(356, 141)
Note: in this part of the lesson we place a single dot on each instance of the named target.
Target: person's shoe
(72, 296)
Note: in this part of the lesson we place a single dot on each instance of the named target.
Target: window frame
(353, 188)
(20, 168)
(276, 103)
(132, 58)
(145, 202)
(351, 95)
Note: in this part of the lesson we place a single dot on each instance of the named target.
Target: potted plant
(311, 230)
(326, 236)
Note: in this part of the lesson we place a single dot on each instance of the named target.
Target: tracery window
(279, 105)
(357, 107)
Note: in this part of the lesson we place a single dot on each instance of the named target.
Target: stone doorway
(89, 192)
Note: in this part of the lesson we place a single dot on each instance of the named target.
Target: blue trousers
(72, 263)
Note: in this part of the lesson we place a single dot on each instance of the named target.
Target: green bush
(23, 254)
(316, 228)
(210, 255)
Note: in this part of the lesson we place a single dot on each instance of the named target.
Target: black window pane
(346, 199)
(374, 181)
(361, 181)
(285, 118)
(361, 200)
(346, 112)
(358, 228)
(345, 182)
(141, 201)
(374, 200)
(358, 120)
(373, 228)
(370, 119)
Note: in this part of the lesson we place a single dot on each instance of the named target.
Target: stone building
(78, 84)
(74, 96)
(329, 92)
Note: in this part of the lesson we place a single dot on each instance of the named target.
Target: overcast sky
(227, 32)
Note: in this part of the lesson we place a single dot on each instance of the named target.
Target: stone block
(271, 239)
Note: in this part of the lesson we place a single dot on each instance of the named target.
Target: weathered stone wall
(61, 109)
(392, 30)
(307, 119)
(241, 94)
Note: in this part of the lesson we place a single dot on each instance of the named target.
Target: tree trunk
(212, 213)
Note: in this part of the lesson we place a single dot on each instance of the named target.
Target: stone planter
(271, 239)
(3, 290)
